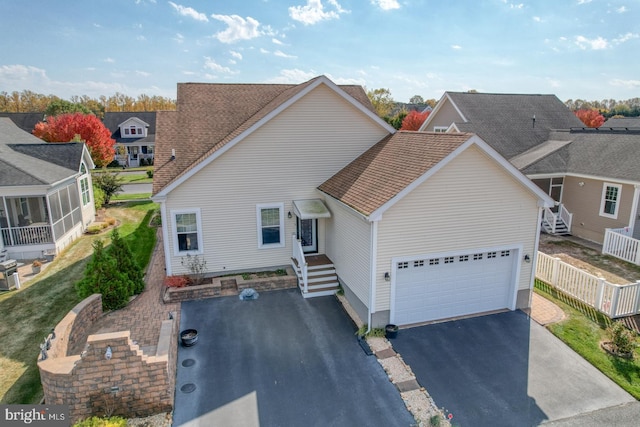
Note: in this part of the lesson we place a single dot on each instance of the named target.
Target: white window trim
(176, 247)
(259, 208)
(441, 129)
(602, 200)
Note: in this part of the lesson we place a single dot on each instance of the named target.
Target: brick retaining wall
(130, 383)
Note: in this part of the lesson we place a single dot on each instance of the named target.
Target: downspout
(165, 234)
(634, 209)
(373, 269)
(534, 256)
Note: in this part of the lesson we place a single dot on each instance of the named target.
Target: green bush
(622, 338)
(114, 164)
(109, 182)
(102, 422)
(120, 251)
(98, 197)
(94, 229)
(150, 173)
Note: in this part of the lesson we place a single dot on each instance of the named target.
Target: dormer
(133, 128)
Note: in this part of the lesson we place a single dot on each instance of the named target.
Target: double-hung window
(270, 218)
(610, 200)
(188, 231)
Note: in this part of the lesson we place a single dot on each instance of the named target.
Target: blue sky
(588, 49)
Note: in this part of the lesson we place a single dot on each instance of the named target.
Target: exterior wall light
(387, 277)
(289, 215)
(108, 353)
(527, 258)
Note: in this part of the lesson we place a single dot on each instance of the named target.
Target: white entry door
(441, 287)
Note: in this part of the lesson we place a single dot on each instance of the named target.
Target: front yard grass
(28, 315)
(134, 196)
(583, 330)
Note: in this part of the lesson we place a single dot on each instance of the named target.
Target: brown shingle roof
(210, 115)
(388, 167)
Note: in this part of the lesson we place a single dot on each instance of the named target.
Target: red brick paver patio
(544, 311)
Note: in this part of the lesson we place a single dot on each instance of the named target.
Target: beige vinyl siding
(446, 115)
(470, 203)
(584, 203)
(348, 246)
(284, 160)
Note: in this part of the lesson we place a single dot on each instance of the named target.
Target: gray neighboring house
(46, 193)
(591, 174)
(135, 136)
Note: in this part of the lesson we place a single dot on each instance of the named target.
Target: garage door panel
(435, 288)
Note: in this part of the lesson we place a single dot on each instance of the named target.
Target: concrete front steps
(321, 276)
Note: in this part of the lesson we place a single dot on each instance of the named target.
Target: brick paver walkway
(544, 311)
(145, 313)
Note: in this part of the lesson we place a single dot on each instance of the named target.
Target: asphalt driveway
(504, 370)
(280, 360)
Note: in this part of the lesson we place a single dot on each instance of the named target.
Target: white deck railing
(30, 235)
(551, 217)
(298, 254)
(565, 216)
(619, 243)
(609, 298)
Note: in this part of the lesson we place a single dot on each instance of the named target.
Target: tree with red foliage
(591, 118)
(84, 127)
(414, 120)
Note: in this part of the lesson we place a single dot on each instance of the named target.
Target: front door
(308, 234)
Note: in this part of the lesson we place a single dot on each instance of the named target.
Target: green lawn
(583, 330)
(134, 196)
(28, 315)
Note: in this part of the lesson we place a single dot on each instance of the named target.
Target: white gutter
(534, 255)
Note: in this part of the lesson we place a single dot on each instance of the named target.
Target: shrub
(114, 164)
(109, 182)
(98, 197)
(176, 281)
(103, 277)
(197, 266)
(150, 173)
(622, 339)
(94, 229)
(125, 263)
(110, 221)
(102, 422)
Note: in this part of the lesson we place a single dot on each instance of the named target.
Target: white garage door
(441, 287)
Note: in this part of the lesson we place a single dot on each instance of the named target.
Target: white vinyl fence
(611, 299)
(619, 243)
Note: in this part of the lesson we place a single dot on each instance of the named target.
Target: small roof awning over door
(310, 209)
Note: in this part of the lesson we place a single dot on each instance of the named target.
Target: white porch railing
(551, 218)
(298, 255)
(609, 298)
(565, 216)
(30, 235)
(619, 243)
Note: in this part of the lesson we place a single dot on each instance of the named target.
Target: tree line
(27, 101)
(607, 107)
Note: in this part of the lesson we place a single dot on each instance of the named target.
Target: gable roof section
(596, 152)
(27, 160)
(113, 120)
(394, 166)
(25, 121)
(211, 118)
(505, 121)
(622, 122)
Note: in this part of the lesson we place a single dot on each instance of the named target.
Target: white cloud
(630, 84)
(189, 12)
(238, 28)
(109, 60)
(235, 54)
(584, 1)
(293, 76)
(347, 80)
(142, 73)
(553, 82)
(516, 6)
(179, 38)
(263, 50)
(622, 9)
(211, 64)
(141, 38)
(456, 47)
(386, 4)
(537, 19)
(281, 54)
(313, 12)
(626, 37)
(598, 43)
(276, 41)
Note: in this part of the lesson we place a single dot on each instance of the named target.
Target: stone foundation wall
(128, 382)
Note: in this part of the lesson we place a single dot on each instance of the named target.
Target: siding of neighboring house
(283, 160)
(584, 203)
(470, 203)
(349, 247)
(446, 115)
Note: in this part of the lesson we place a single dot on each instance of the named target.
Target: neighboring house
(134, 133)
(25, 121)
(594, 173)
(416, 226)
(46, 193)
(622, 122)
